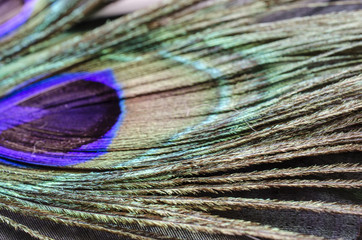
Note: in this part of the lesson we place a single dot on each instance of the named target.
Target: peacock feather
(193, 119)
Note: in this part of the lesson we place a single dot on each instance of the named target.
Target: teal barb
(199, 119)
(60, 121)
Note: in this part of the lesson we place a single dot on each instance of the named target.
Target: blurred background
(121, 7)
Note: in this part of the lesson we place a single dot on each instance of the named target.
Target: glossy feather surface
(196, 119)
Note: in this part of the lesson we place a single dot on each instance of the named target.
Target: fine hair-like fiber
(194, 119)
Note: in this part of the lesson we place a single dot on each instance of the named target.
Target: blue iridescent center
(61, 121)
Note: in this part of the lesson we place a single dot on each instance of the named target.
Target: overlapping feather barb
(237, 123)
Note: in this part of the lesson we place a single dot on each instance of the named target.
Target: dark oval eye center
(76, 113)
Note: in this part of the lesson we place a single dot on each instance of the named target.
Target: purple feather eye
(60, 121)
(13, 14)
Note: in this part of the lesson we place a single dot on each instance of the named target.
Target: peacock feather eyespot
(61, 121)
(242, 121)
(14, 13)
